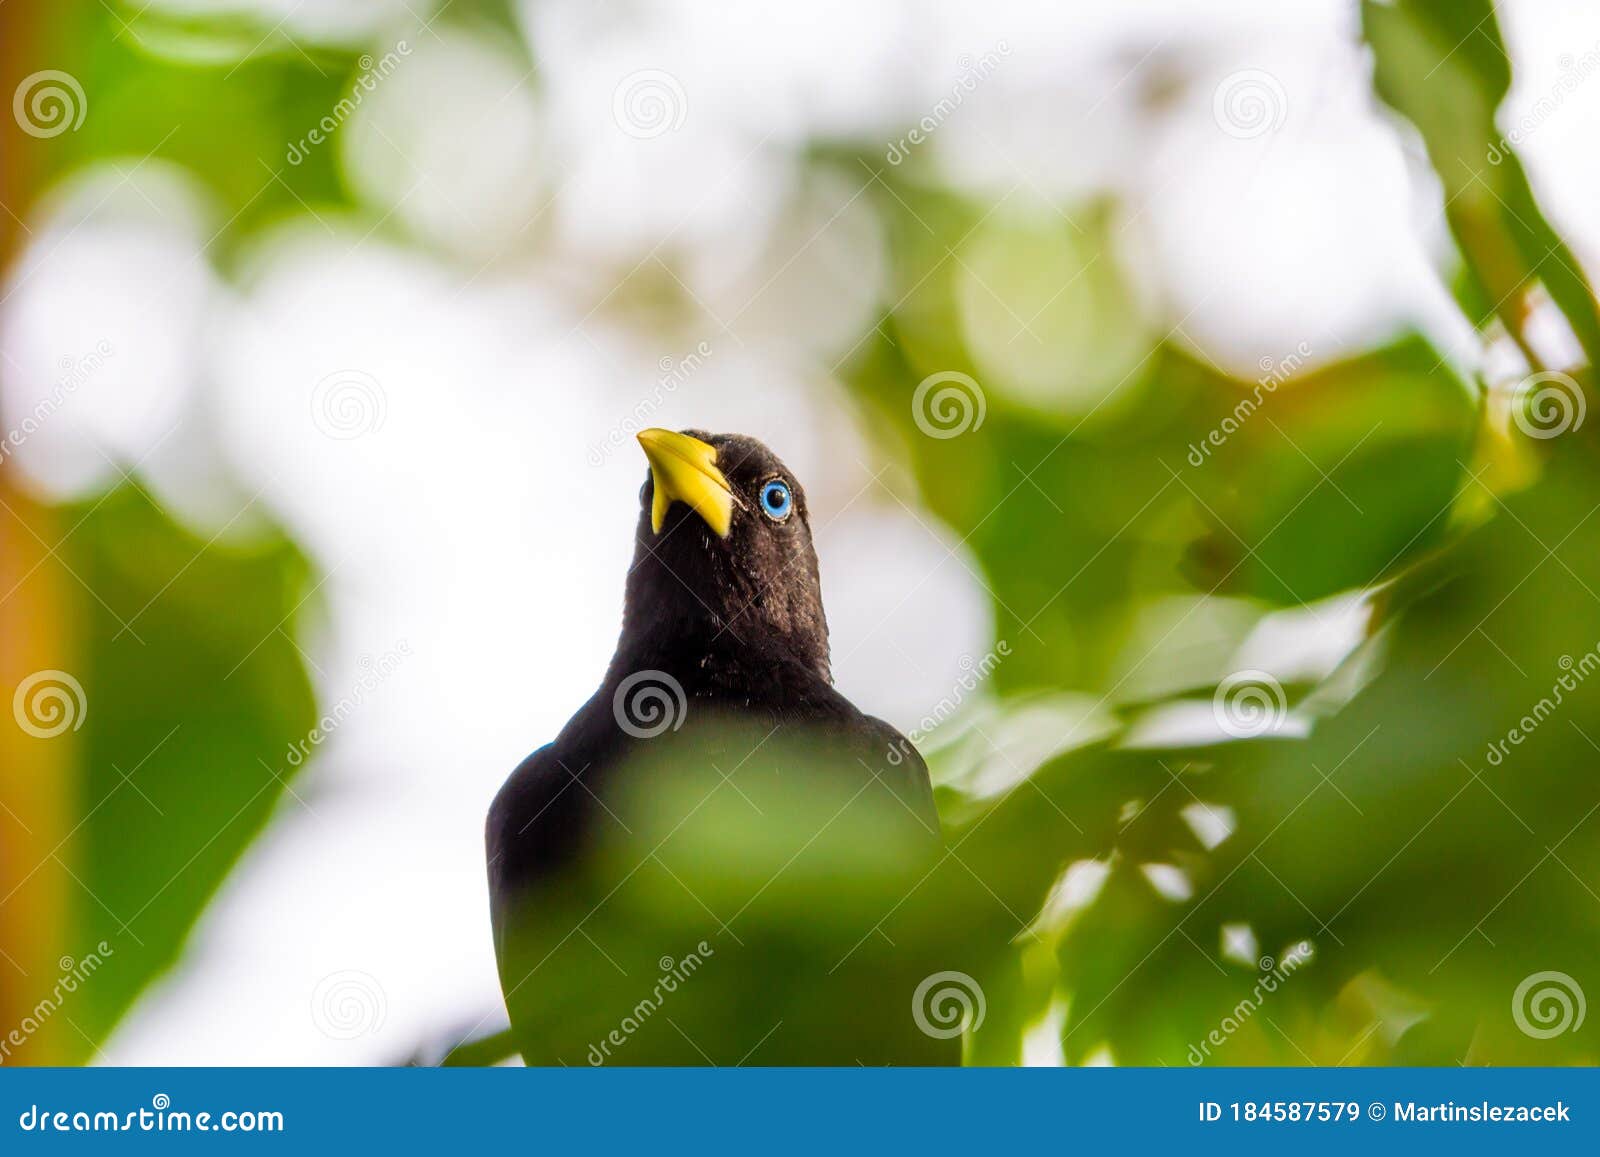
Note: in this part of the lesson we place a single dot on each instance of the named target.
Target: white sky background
(473, 525)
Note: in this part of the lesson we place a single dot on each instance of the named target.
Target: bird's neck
(703, 648)
(667, 627)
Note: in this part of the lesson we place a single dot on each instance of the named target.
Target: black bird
(708, 862)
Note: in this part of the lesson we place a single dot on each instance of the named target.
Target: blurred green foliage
(1445, 68)
(1428, 878)
(197, 694)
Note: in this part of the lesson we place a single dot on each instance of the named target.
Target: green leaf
(1446, 69)
(195, 692)
(1333, 480)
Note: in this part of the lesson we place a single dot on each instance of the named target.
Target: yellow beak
(685, 470)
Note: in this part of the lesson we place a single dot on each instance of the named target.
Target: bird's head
(723, 549)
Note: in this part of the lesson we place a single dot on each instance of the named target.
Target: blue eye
(776, 501)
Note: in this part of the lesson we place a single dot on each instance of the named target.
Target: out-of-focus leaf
(1071, 529)
(1437, 842)
(1333, 480)
(777, 913)
(195, 692)
(1446, 68)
